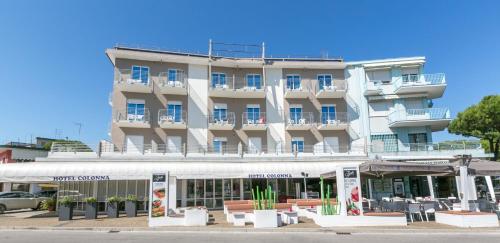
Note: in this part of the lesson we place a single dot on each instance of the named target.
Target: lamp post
(305, 175)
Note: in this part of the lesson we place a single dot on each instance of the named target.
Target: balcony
(334, 121)
(235, 87)
(133, 119)
(254, 121)
(338, 89)
(222, 122)
(431, 84)
(437, 118)
(300, 121)
(172, 120)
(427, 150)
(373, 87)
(173, 84)
(124, 82)
(297, 92)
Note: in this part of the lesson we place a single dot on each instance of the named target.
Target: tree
(480, 121)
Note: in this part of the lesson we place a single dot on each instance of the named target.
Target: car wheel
(2, 209)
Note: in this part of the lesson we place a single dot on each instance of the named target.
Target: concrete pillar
(489, 183)
(472, 188)
(464, 184)
(172, 192)
(459, 188)
(370, 189)
(431, 187)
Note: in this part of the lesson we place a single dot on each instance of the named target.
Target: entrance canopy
(90, 171)
(397, 169)
(480, 167)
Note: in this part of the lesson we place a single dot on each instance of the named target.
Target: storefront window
(227, 189)
(247, 189)
(20, 187)
(236, 189)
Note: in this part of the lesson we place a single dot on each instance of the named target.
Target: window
(325, 80)
(389, 142)
(298, 145)
(174, 111)
(219, 80)
(293, 82)
(253, 81)
(410, 77)
(418, 141)
(253, 115)
(175, 75)
(219, 145)
(295, 115)
(220, 112)
(136, 110)
(328, 114)
(141, 74)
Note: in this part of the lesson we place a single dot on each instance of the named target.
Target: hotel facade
(223, 125)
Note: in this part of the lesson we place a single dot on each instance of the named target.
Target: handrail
(228, 118)
(419, 114)
(334, 118)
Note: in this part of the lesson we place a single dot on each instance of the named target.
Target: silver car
(19, 200)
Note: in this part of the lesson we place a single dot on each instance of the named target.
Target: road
(197, 237)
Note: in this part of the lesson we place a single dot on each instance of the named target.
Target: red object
(355, 194)
(6, 156)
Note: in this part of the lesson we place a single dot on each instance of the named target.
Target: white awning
(89, 171)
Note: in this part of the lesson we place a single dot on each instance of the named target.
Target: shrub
(114, 199)
(66, 201)
(49, 204)
(131, 198)
(90, 200)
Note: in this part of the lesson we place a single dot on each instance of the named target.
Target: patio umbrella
(479, 167)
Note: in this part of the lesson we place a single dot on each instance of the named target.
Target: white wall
(274, 107)
(197, 106)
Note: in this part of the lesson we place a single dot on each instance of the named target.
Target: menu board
(158, 203)
(352, 191)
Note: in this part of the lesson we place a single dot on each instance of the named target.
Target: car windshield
(8, 195)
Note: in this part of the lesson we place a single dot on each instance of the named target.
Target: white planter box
(290, 217)
(349, 221)
(466, 221)
(195, 217)
(265, 218)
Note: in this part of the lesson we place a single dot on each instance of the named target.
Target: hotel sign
(270, 176)
(81, 178)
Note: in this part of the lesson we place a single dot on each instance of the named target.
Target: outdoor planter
(91, 210)
(113, 210)
(66, 209)
(465, 219)
(131, 208)
(265, 218)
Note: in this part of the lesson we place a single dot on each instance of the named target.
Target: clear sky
(54, 73)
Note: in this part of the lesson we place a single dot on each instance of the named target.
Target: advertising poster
(159, 196)
(352, 191)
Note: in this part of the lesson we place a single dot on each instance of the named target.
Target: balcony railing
(172, 81)
(336, 85)
(236, 83)
(333, 119)
(419, 114)
(124, 76)
(133, 116)
(222, 119)
(166, 117)
(419, 80)
(426, 148)
(253, 118)
(300, 119)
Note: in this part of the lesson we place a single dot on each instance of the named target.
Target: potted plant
(91, 208)
(66, 209)
(49, 204)
(265, 214)
(113, 206)
(131, 205)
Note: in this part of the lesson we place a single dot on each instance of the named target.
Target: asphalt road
(197, 237)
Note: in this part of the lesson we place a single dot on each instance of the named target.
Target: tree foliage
(481, 121)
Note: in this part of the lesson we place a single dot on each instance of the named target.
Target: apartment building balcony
(139, 118)
(373, 87)
(431, 84)
(426, 150)
(437, 118)
(254, 121)
(124, 82)
(222, 122)
(334, 121)
(337, 89)
(300, 121)
(236, 87)
(171, 119)
(297, 91)
(172, 84)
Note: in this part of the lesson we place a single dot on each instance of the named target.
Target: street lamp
(305, 175)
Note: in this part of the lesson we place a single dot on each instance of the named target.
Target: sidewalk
(217, 224)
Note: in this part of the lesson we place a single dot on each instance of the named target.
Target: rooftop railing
(419, 114)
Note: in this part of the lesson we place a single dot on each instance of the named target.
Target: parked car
(19, 200)
(46, 194)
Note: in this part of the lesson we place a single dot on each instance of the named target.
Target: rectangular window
(135, 111)
(325, 80)
(328, 114)
(219, 80)
(298, 145)
(220, 112)
(410, 77)
(253, 115)
(293, 82)
(295, 115)
(174, 112)
(219, 145)
(385, 142)
(418, 141)
(253, 81)
(141, 74)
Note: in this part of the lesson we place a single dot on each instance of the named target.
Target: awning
(480, 167)
(397, 169)
(82, 171)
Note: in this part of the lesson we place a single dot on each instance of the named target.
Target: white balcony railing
(408, 80)
(447, 149)
(172, 117)
(233, 83)
(140, 115)
(419, 114)
(176, 80)
(336, 118)
(124, 76)
(300, 119)
(222, 119)
(253, 118)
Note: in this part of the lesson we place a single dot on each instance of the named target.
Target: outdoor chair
(429, 208)
(414, 208)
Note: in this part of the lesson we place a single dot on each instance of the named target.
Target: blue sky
(49, 48)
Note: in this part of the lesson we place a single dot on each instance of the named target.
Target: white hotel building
(223, 125)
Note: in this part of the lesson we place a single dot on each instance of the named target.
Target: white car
(19, 200)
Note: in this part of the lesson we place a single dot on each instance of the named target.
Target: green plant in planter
(114, 199)
(49, 204)
(326, 207)
(264, 200)
(131, 198)
(66, 201)
(91, 200)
